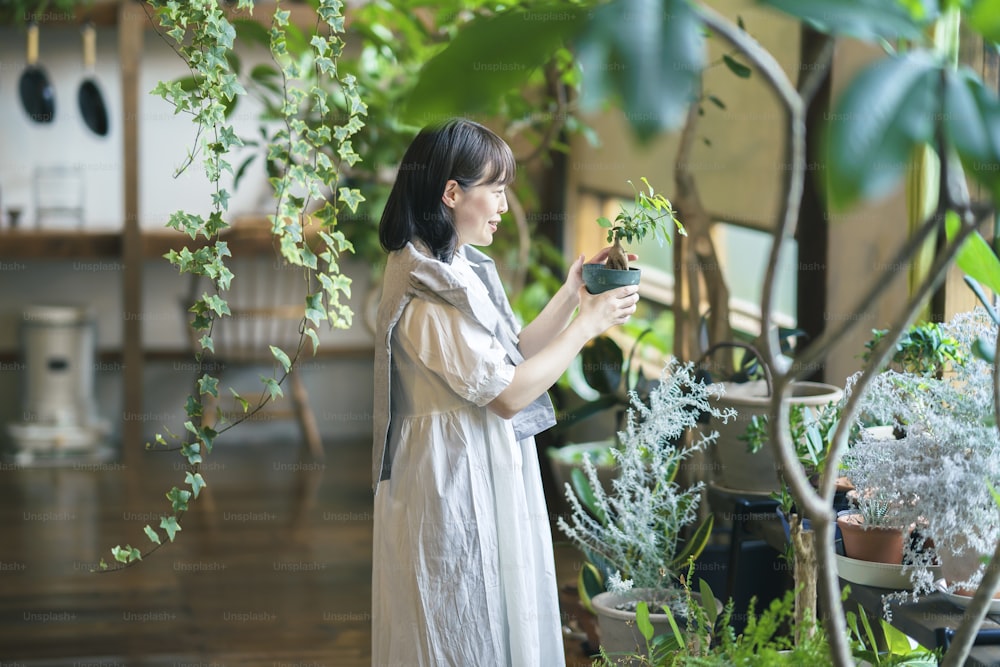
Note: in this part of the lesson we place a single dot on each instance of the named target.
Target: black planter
(598, 278)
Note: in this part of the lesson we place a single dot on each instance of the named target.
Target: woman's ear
(451, 193)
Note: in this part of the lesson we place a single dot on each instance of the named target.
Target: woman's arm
(534, 376)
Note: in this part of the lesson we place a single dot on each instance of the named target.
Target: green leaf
(196, 481)
(126, 555)
(313, 337)
(984, 17)
(602, 361)
(272, 387)
(192, 451)
(869, 20)
(315, 312)
(178, 499)
(170, 525)
(481, 58)
(642, 620)
(976, 258)
(282, 358)
(208, 385)
(647, 55)
(581, 485)
(736, 67)
(972, 123)
(351, 197)
(151, 534)
(694, 545)
(886, 112)
(244, 404)
(589, 582)
(708, 601)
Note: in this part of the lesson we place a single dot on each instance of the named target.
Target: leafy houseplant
(936, 473)
(648, 216)
(632, 535)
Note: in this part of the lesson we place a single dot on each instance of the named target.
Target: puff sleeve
(468, 358)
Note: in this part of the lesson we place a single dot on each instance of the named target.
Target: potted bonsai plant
(650, 215)
(632, 535)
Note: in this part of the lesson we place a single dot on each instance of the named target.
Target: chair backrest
(266, 298)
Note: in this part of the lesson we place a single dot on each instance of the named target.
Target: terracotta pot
(878, 544)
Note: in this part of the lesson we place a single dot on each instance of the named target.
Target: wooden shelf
(72, 244)
(58, 244)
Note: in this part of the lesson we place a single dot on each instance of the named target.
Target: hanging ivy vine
(310, 158)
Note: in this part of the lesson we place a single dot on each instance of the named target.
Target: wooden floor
(273, 567)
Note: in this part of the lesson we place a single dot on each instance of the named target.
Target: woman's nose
(503, 204)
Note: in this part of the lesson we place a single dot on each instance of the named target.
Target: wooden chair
(267, 301)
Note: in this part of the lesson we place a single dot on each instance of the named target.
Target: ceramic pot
(877, 544)
(617, 627)
(733, 466)
(598, 278)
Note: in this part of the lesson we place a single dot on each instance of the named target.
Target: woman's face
(476, 210)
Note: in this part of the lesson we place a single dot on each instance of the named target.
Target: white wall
(96, 282)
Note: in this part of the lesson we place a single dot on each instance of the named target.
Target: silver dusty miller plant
(635, 529)
(937, 475)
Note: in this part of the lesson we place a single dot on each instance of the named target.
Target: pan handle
(89, 46)
(32, 56)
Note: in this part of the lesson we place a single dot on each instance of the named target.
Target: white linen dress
(463, 571)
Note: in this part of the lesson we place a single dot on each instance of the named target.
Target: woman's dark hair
(458, 149)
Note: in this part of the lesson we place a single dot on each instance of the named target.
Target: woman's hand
(600, 312)
(574, 278)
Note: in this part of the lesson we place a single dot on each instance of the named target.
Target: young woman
(463, 569)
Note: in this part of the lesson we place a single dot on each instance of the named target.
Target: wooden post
(131, 28)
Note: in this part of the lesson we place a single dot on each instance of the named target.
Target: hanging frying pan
(37, 95)
(89, 97)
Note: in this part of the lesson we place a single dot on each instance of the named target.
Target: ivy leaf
(272, 387)
(196, 481)
(282, 358)
(350, 197)
(315, 312)
(151, 534)
(217, 304)
(209, 385)
(192, 451)
(244, 404)
(207, 343)
(170, 525)
(178, 499)
(192, 407)
(314, 337)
